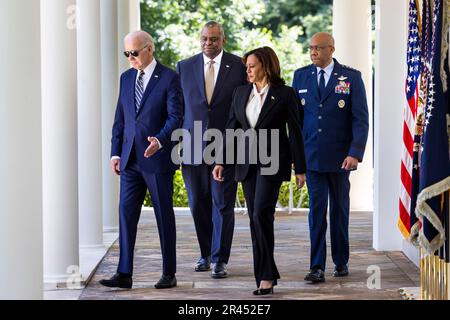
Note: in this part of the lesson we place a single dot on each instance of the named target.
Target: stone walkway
(291, 255)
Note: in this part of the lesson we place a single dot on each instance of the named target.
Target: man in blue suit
(208, 80)
(335, 129)
(149, 109)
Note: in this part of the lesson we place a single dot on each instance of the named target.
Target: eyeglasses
(134, 53)
(212, 39)
(317, 48)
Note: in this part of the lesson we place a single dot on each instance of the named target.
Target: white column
(123, 28)
(89, 124)
(390, 73)
(59, 138)
(21, 153)
(135, 15)
(109, 82)
(352, 24)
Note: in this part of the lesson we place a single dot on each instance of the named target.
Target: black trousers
(212, 208)
(261, 194)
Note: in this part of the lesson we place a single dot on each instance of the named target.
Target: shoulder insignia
(304, 68)
(349, 68)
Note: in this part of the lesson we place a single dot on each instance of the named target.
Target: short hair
(143, 36)
(212, 24)
(270, 64)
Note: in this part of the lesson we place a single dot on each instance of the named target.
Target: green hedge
(180, 196)
(283, 197)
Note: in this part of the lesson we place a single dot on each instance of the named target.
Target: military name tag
(342, 88)
(341, 104)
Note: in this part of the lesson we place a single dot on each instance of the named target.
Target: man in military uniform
(335, 128)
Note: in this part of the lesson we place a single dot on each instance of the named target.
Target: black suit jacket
(196, 109)
(280, 111)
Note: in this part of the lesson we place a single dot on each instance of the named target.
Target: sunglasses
(134, 53)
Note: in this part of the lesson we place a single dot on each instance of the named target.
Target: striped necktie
(139, 91)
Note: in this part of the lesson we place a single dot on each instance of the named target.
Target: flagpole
(446, 264)
(421, 273)
(429, 278)
(440, 257)
(437, 263)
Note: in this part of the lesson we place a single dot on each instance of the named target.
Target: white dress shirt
(328, 71)
(217, 61)
(148, 72)
(255, 104)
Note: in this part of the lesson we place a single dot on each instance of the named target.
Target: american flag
(408, 165)
(434, 157)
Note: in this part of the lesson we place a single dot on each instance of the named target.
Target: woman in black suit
(265, 103)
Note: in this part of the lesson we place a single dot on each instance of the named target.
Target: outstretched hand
(152, 148)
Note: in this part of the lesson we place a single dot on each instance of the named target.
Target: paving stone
(292, 250)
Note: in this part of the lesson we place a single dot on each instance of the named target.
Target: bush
(180, 198)
(283, 196)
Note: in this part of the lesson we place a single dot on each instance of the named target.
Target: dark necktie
(322, 84)
(139, 91)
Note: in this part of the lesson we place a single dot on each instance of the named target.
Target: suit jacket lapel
(225, 68)
(151, 84)
(132, 91)
(272, 99)
(313, 81)
(333, 82)
(243, 99)
(199, 73)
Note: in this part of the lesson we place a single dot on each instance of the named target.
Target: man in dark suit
(208, 81)
(335, 129)
(149, 109)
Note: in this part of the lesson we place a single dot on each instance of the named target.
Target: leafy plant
(284, 25)
(180, 198)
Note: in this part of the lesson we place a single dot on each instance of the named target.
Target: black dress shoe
(219, 271)
(203, 264)
(316, 275)
(263, 292)
(340, 271)
(166, 282)
(117, 281)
